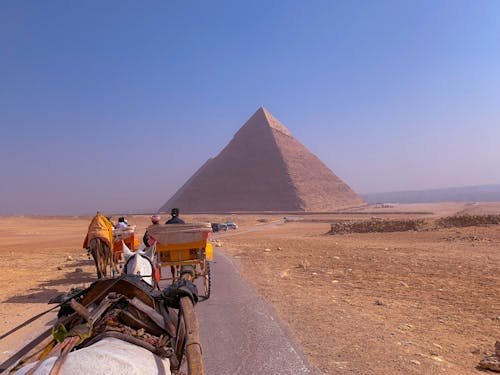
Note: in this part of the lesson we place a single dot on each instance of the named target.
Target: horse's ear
(150, 252)
(126, 251)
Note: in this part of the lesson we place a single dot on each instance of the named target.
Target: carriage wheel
(207, 280)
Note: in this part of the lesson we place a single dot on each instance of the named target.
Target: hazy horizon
(113, 106)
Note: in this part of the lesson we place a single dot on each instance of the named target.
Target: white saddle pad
(109, 356)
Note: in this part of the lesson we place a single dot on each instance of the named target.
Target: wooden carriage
(128, 236)
(184, 247)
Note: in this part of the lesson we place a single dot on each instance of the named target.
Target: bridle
(125, 266)
(154, 280)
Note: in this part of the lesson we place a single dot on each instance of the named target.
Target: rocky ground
(365, 303)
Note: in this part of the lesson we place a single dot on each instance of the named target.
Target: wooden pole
(193, 345)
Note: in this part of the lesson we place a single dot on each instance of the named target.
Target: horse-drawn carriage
(129, 324)
(185, 249)
(124, 236)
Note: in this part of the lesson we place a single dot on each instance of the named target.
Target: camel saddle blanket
(99, 227)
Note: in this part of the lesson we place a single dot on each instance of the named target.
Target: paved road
(240, 332)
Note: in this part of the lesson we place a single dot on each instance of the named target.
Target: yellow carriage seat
(180, 252)
(182, 242)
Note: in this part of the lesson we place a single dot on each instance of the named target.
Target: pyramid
(263, 168)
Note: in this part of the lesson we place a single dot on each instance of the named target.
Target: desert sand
(370, 303)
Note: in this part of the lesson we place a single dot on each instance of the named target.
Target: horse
(111, 356)
(114, 356)
(140, 263)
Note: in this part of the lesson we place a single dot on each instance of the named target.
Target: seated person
(122, 223)
(155, 220)
(175, 219)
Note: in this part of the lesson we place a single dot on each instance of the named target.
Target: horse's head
(139, 263)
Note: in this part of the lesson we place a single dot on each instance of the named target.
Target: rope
(31, 320)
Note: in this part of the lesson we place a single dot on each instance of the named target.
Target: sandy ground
(407, 302)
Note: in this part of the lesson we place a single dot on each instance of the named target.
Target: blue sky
(113, 105)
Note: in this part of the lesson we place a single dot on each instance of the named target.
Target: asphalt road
(240, 332)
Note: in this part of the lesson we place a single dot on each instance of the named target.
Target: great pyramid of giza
(263, 168)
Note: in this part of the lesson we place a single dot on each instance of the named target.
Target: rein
(24, 350)
(31, 320)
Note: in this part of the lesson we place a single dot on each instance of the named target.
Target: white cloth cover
(109, 356)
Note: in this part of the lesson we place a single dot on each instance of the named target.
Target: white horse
(140, 263)
(112, 356)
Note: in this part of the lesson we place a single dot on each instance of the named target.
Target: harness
(28, 347)
(124, 308)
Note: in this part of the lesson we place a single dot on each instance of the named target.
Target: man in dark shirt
(175, 217)
(174, 220)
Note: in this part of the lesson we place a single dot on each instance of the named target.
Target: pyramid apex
(261, 110)
(263, 117)
(274, 123)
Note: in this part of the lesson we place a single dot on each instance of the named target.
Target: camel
(103, 257)
(99, 243)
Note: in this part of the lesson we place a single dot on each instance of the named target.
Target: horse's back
(109, 356)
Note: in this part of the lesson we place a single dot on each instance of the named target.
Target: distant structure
(263, 168)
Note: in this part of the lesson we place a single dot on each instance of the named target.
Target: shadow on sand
(70, 279)
(38, 296)
(80, 263)
(47, 289)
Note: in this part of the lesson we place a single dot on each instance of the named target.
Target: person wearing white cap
(155, 220)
